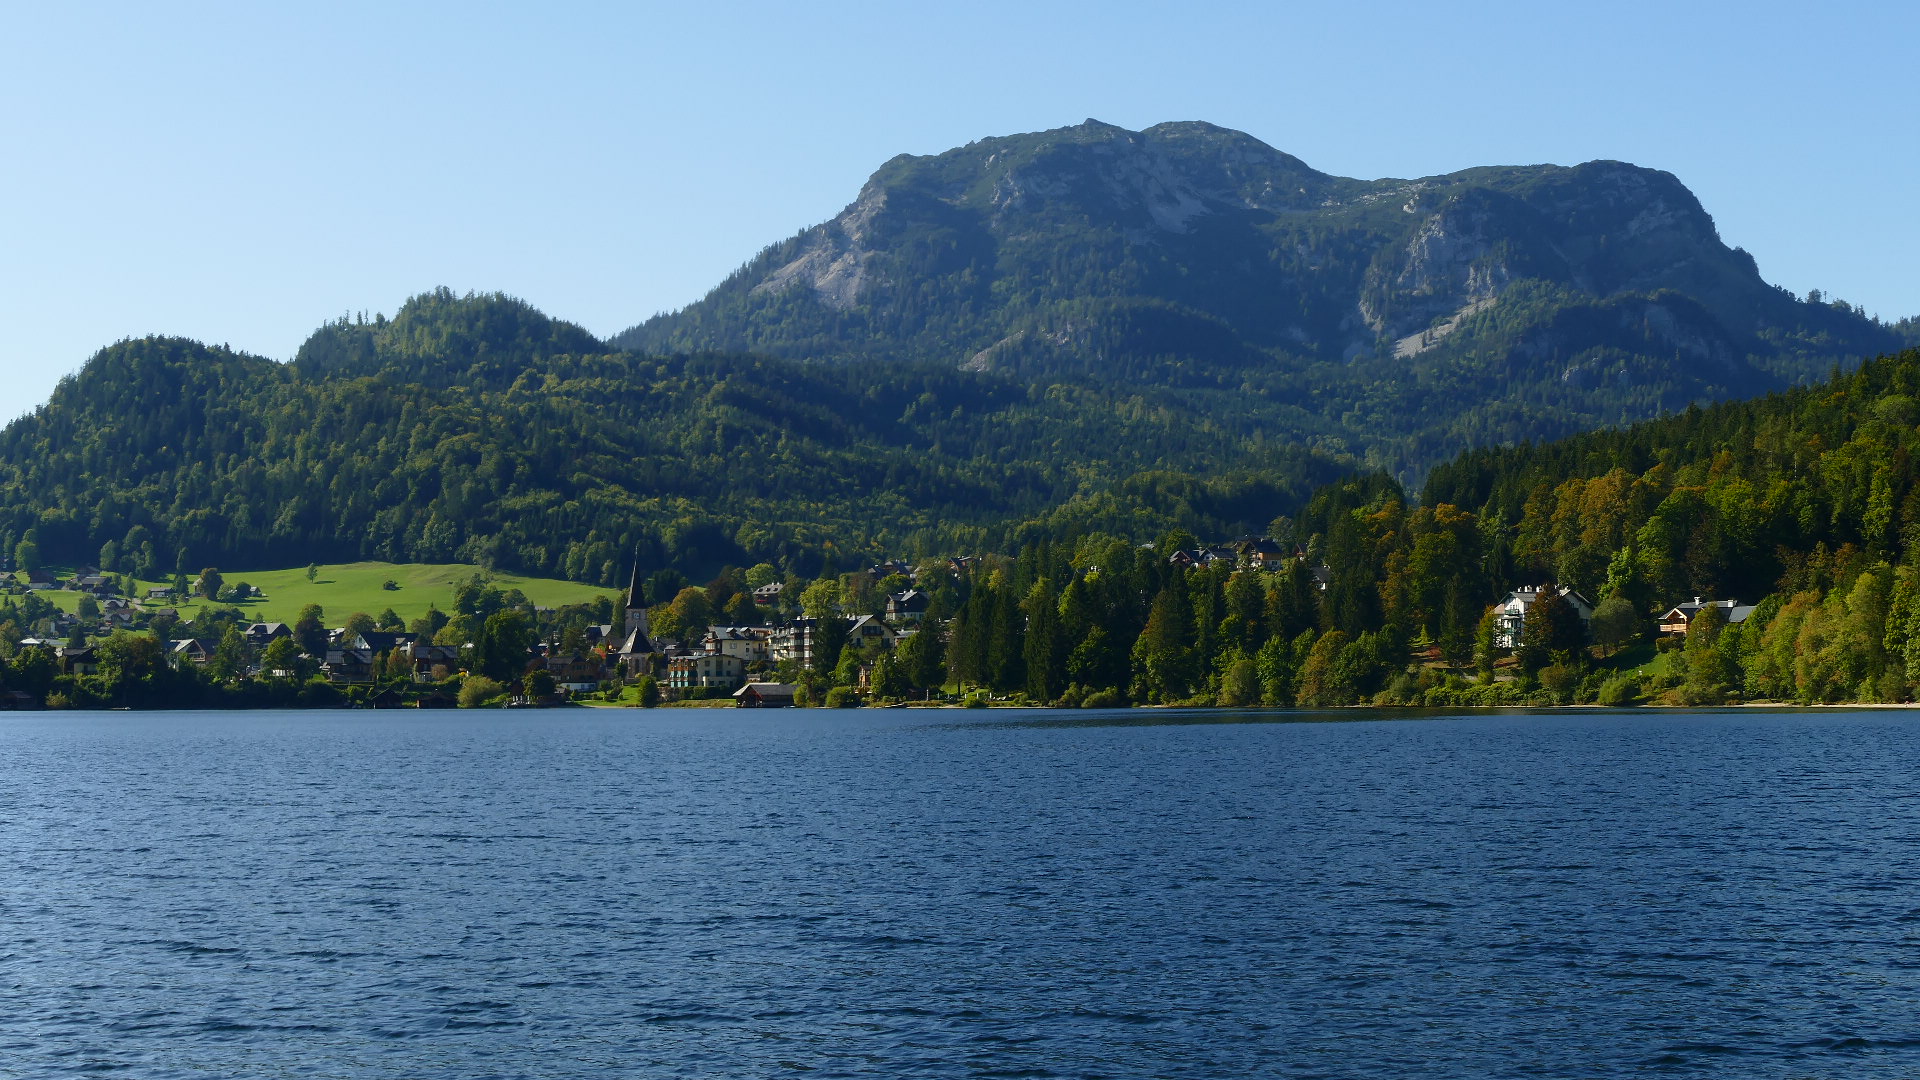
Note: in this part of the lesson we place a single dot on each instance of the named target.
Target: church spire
(636, 602)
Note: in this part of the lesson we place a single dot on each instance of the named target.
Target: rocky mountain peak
(1192, 251)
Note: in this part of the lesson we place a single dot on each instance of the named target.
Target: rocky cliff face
(984, 253)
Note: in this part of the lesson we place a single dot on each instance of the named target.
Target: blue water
(944, 893)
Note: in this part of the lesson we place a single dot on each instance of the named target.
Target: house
(752, 644)
(77, 659)
(1322, 576)
(195, 650)
(376, 641)
(40, 579)
(768, 593)
(1680, 616)
(433, 663)
(889, 568)
(18, 699)
(794, 641)
(907, 607)
(576, 674)
(387, 699)
(1510, 615)
(98, 584)
(348, 666)
(1264, 553)
(705, 670)
(867, 630)
(262, 633)
(161, 593)
(764, 695)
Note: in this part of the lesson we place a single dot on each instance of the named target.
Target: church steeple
(636, 602)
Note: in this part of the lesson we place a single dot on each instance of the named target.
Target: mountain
(1084, 330)
(1402, 319)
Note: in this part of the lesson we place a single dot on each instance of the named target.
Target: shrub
(843, 697)
(477, 690)
(1624, 690)
(1104, 699)
(1559, 679)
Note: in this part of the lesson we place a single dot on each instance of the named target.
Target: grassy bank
(344, 588)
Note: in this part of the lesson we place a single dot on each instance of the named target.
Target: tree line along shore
(1801, 508)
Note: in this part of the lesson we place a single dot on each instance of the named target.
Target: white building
(1510, 615)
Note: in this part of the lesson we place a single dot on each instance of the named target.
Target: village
(765, 662)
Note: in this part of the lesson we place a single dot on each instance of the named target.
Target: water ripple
(1137, 894)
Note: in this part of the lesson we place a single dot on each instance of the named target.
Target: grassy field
(344, 588)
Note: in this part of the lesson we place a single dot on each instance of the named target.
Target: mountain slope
(477, 429)
(1539, 300)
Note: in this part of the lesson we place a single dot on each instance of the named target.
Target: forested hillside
(477, 429)
(1082, 332)
(1402, 320)
(1804, 505)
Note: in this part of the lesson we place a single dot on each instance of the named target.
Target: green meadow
(344, 588)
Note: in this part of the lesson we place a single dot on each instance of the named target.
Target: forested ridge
(477, 429)
(1803, 505)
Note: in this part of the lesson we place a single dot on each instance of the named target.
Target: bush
(975, 699)
(649, 692)
(1405, 689)
(1560, 679)
(1104, 699)
(843, 697)
(477, 690)
(1624, 690)
(318, 693)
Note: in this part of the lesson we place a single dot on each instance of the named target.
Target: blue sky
(241, 173)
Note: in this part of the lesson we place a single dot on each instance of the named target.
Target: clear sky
(242, 172)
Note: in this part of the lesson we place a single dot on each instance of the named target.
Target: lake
(578, 893)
